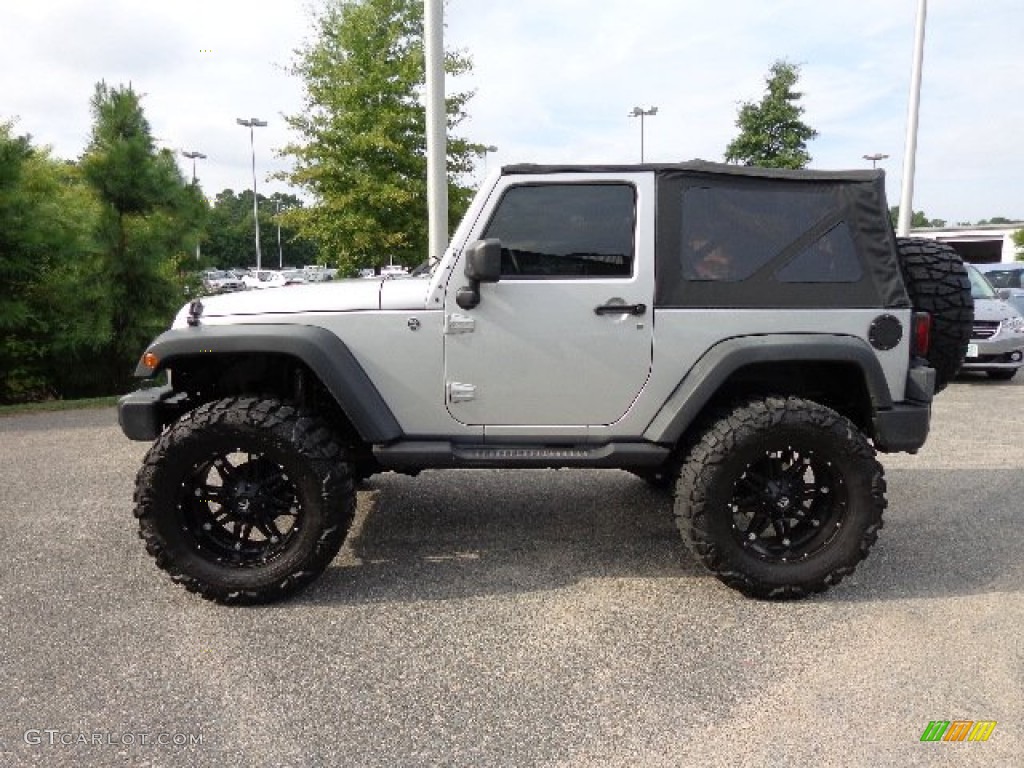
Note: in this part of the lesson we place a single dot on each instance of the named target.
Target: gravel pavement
(533, 618)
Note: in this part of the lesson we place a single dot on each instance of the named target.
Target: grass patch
(58, 405)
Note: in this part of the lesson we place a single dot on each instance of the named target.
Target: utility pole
(437, 129)
(910, 158)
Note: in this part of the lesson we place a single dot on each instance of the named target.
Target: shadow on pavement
(461, 534)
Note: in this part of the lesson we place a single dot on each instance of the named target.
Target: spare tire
(937, 283)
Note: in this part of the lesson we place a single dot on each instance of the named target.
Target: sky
(554, 81)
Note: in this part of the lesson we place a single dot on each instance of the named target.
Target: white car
(265, 278)
(393, 270)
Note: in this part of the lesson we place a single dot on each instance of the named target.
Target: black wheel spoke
(270, 530)
(758, 523)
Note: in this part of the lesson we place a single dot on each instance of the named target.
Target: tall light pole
(193, 156)
(642, 113)
(909, 159)
(489, 149)
(875, 158)
(437, 129)
(252, 123)
(280, 252)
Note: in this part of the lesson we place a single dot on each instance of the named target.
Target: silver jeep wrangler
(747, 337)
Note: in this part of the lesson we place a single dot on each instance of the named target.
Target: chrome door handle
(621, 309)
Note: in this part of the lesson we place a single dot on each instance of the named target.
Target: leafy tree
(772, 133)
(1018, 240)
(997, 220)
(228, 241)
(361, 148)
(47, 215)
(919, 220)
(148, 224)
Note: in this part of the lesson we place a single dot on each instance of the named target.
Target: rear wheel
(937, 283)
(245, 500)
(780, 497)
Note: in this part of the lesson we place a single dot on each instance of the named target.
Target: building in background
(984, 244)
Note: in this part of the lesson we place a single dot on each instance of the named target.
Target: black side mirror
(483, 265)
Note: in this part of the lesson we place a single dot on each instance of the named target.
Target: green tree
(361, 148)
(47, 215)
(919, 220)
(149, 222)
(1018, 240)
(997, 220)
(772, 132)
(228, 241)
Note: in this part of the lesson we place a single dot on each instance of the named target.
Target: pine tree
(148, 222)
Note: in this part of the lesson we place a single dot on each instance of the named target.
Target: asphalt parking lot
(513, 619)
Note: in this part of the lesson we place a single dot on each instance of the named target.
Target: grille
(984, 329)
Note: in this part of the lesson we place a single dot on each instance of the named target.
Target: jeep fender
(721, 361)
(327, 356)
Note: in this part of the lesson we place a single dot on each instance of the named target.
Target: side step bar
(447, 455)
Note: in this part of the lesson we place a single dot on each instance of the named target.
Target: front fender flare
(327, 356)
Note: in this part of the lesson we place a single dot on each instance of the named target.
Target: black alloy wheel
(240, 507)
(780, 497)
(787, 505)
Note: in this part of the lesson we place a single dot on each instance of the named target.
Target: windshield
(1004, 278)
(980, 287)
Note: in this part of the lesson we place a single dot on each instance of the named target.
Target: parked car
(316, 273)
(221, 281)
(1008, 280)
(294, 277)
(265, 278)
(393, 270)
(997, 338)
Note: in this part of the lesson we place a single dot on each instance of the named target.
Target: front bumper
(1000, 352)
(143, 413)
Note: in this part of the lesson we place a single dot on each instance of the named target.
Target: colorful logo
(958, 730)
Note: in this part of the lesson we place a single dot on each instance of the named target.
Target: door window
(565, 230)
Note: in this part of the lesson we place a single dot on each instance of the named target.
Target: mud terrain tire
(937, 283)
(780, 497)
(245, 500)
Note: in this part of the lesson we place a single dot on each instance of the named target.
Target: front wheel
(780, 497)
(245, 500)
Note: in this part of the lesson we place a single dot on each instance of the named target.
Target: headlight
(1013, 325)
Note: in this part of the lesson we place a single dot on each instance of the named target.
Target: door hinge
(457, 323)
(461, 393)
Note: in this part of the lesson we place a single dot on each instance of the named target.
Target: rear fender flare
(724, 359)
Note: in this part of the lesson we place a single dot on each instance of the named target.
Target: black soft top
(700, 167)
(783, 238)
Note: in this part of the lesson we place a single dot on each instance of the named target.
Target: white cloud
(555, 80)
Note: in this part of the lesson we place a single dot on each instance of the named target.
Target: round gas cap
(885, 333)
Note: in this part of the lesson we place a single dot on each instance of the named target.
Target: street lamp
(253, 123)
(642, 113)
(875, 158)
(193, 156)
(486, 151)
(280, 252)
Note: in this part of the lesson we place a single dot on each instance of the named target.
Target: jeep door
(564, 338)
